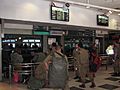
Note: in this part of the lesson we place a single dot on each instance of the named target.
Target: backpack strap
(60, 54)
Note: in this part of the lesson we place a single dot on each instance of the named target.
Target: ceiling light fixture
(85, 4)
(110, 12)
(119, 14)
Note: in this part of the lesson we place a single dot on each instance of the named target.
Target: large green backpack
(57, 74)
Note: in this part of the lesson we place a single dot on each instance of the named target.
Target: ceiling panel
(104, 3)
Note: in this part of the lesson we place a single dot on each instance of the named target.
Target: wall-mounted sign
(41, 33)
(59, 13)
(102, 20)
(57, 33)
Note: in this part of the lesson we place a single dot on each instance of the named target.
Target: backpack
(57, 73)
(38, 80)
(40, 72)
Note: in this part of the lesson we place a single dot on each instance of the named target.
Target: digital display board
(59, 13)
(102, 20)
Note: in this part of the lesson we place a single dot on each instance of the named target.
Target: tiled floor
(104, 81)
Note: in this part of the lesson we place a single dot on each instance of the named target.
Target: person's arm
(35, 58)
(20, 58)
(67, 66)
(47, 61)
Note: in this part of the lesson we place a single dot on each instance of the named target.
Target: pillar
(0, 54)
(45, 43)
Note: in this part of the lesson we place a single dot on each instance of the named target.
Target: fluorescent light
(110, 12)
(118, 13)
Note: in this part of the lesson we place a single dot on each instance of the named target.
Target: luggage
(57, 74)
(34, 83)
(38, 80)
(40, 72)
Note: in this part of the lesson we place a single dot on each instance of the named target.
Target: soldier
(82, 59)
(116, 59)
(57, 52)
(16, 56)
(76, 64)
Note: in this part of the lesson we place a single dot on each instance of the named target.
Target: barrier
(22, 69)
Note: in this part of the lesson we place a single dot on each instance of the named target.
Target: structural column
(1, 35)
(45, 43)
(0, 54)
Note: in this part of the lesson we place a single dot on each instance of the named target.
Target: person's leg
(91, 76)
(83, 73)
(115, 68)
(66, 86)
(119, 68)
(76, 73)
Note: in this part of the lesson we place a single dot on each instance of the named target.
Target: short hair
(60, 45)
(54, 44)
(80, 44)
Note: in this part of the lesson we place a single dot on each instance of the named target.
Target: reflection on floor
(104, 81)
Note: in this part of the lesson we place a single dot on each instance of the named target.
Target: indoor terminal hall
(59, 44)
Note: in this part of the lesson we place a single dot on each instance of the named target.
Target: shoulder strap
(60, 54)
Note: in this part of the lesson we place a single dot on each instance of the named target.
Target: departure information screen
(59, 13)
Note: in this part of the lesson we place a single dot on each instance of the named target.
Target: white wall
(39, 10)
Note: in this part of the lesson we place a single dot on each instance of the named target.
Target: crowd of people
(52, 71)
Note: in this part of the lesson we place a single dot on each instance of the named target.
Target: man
(76, 64)
(58, 77)
(82, 59)
(16, 56)
(116, 59)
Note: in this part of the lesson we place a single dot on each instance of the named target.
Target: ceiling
(104, 3)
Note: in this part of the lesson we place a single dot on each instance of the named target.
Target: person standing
(76, 62)
(16, 59)
(116, 59)
(57, 66)
(16, 56)
(93, 65)
(82, 58)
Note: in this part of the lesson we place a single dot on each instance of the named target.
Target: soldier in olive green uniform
(47, 61)
(76, 63)
(117, 59)
(82, 62)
